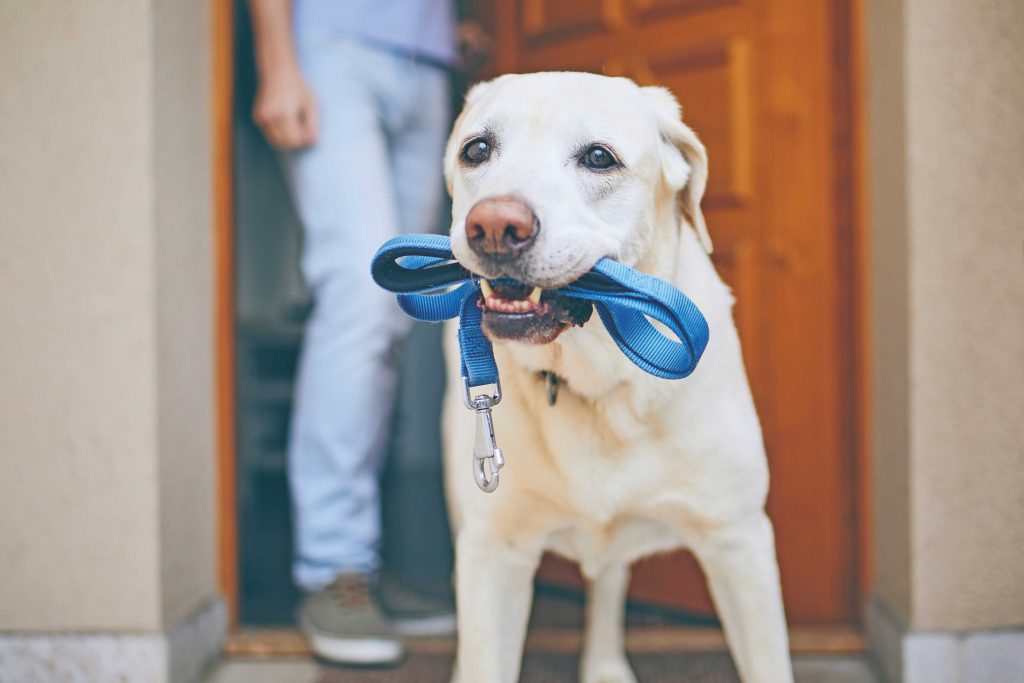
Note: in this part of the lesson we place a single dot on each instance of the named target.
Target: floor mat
(550, 668)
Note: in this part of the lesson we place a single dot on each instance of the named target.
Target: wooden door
(762, 82)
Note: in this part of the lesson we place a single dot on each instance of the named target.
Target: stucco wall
(106, 515)
(947, 152)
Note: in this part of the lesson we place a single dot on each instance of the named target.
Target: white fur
(625, 464)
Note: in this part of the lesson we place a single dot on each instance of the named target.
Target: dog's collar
(551, 383)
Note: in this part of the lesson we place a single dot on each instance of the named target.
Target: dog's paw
(606, 670)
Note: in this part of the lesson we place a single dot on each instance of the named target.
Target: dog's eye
(599, 158)
(476, 151)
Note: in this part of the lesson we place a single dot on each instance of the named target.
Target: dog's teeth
(494, 302)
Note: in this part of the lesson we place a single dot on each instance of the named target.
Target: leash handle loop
(433, 287)
(625, 298)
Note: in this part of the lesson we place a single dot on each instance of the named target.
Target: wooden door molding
(852, 203)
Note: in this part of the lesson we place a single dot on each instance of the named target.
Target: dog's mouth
(521, 312)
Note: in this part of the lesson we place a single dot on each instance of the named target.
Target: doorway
(770, 86)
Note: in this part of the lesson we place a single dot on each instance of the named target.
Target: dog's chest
(615, 462)
(627, 499)
(610, 456)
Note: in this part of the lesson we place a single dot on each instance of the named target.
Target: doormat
(549, 667)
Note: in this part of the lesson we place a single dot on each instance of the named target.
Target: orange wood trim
(856, 136)
(222, 96)
(816, 640)
(851, 205)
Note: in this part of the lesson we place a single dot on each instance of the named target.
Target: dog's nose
(501, 225)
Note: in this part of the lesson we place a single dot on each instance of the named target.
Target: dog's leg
(743, 575)
(494, 592)
(604, 655)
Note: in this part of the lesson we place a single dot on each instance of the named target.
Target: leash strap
(432, 286)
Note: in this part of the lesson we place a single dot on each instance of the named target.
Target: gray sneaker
(343, 624)
(414, 613)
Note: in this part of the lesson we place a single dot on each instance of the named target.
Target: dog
(548, 173)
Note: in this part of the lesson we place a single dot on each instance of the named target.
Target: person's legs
(346, 380)
(417, 144)
(410, 589)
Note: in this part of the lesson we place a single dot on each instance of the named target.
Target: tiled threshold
(821, 655)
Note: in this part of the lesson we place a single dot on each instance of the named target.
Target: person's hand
(285, 109)
(475, 45)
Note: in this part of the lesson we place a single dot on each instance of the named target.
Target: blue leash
(418, 268)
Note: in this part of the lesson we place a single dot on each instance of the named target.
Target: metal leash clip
(487, 457)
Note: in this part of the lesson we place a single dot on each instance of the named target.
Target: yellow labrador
(549, 172)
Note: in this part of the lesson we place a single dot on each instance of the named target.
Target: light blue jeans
(375, 172)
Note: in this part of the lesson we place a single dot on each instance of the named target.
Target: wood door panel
(608, 66)
(547, 20)
(736, 262)
(758, 81)
(656, 38)
(676, 574)
(712, 85)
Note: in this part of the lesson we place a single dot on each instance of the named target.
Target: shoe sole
(440, 625)
(354, 650)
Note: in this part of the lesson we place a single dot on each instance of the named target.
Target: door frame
(222, 79)
(849, 63)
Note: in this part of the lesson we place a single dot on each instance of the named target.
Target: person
(355, 94)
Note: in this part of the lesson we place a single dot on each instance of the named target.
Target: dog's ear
(684, 161)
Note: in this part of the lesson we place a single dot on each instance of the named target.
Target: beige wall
(888, 304)
(184, 286)
(947, 163)
(106, 469)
